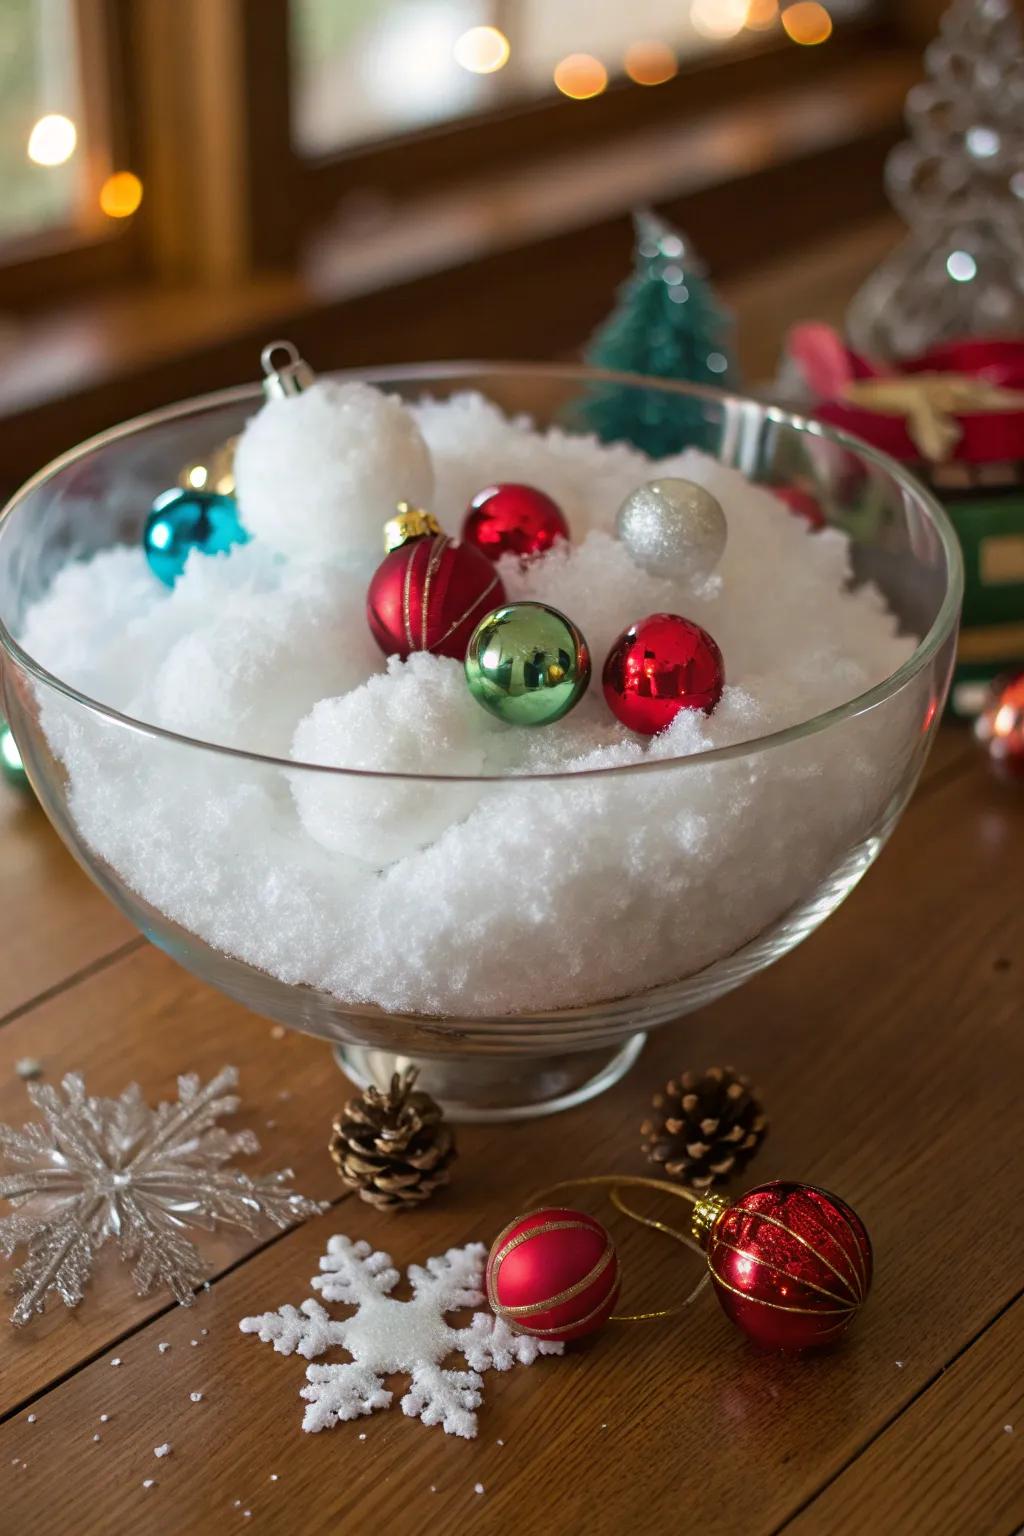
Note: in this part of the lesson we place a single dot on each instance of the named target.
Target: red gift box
(987, 437)
(980, 480)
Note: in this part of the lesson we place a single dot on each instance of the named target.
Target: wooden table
(889, 1050)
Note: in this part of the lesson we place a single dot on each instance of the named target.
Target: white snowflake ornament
(101, 1169)
(386, 1336)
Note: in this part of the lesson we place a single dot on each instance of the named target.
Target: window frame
(200, 106)
(298, 191)
(92, 250)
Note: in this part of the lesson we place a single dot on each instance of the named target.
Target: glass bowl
(735, 855)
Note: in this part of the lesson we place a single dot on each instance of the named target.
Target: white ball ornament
(417, 718)
(247, 675)
(673, 527)
(320, 468)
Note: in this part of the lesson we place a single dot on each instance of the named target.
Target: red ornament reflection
(1000, 726)
(803, 503)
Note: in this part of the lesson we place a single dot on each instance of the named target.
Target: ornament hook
(282, 379)
(409, 523)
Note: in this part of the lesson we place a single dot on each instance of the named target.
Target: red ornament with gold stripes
(554, 1274)
(791, 1264)
(428, 594)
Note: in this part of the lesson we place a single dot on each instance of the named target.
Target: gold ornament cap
(409, 523)
(288, 377)
(705, 1213)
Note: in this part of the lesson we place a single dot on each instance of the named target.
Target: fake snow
(162, 1450)
(609, 884)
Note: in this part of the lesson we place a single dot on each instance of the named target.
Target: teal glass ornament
(11, 765)
(184, 520)
(527, 664)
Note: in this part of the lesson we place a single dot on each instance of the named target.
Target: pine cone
(704, 1130)
(394, 1147)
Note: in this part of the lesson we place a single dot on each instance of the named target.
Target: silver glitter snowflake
(101, 1169)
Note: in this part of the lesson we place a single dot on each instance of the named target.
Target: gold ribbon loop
(615, 1183)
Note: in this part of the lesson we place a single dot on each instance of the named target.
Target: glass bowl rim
(427, 372)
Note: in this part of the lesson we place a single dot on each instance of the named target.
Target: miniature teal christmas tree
(667, 324)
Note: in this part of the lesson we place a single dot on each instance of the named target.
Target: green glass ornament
(11, 766)
(527, 663)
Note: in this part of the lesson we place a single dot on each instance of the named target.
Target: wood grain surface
(954, 1461)
(53, 920)
(889, 1051)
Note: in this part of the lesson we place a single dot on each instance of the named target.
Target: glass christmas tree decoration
(667, 324)
(959, 184)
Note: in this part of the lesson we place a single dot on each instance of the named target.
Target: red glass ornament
(803, 503)
(791, 1265)
(429, 595)
(553, 1274)
(1000, 726)
(513, 519)
(661, 665)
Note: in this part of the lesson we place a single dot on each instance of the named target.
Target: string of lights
(53, 139)
(484, 50)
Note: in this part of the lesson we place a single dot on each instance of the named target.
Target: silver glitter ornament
(673, 528)
(102, 1169)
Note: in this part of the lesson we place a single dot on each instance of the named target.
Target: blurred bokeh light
(807, 23)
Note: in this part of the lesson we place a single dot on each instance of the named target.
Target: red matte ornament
(553, 1274)
(1000, 726)
(429, 595)
(791, 1265)
(513, 519)
(659, 666)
